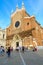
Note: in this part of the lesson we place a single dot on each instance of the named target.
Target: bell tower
(17, 7)
(23, 5)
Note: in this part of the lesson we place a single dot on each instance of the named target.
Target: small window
(3, 36)
(28, 23)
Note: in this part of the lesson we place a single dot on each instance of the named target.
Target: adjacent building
(2, 37)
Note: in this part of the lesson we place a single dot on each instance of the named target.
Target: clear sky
(33, 7)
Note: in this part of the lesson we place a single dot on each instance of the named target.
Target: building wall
(29, 31)
(2, 37)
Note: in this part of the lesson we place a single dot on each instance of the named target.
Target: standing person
(8, 51)
(22, 48)
(0, 50)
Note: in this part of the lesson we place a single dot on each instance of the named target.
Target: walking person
(8, 52)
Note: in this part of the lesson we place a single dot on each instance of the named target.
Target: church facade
(24, 30)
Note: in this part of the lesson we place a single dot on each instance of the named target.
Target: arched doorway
(16, 42)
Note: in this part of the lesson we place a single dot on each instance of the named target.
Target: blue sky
(33, 7)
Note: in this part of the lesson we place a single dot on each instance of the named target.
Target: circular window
(17, 24)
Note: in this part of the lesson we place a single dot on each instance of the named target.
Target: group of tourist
(7, 51)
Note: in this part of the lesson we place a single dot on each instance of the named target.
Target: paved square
(19, 58)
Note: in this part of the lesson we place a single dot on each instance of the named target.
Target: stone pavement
(20, 58)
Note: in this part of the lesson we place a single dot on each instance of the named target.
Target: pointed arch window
(3, 36)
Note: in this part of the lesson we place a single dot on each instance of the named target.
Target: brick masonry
(27, 33)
